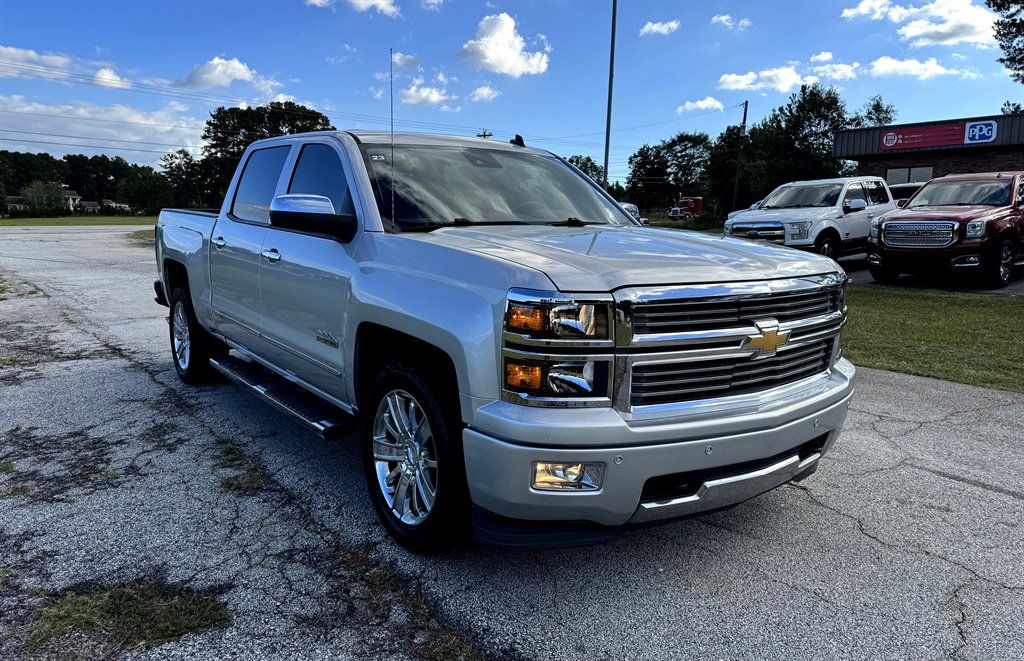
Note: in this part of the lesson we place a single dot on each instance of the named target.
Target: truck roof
(979, 176)
(835, 180)
(412, 138)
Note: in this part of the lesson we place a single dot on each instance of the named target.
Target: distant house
(71, 198)
(89, 206)
(119, 206)
(15, 203)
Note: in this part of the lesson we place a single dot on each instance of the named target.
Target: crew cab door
(235, 245)
(855, 224)
(305, 279)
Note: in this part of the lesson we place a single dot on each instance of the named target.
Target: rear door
(235, 247)
(305, 289)
(855, 224)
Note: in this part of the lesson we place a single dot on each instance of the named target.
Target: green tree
(186, 175)
(1010, 35)
(1011, 108)
(874, 112)
(589, 167)
(648, 183)
(146, 190)
(19, 169)
(45, 198)
(687, 155)
(230, 130)
(617, 190)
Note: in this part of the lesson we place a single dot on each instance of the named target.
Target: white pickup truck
(521, 357)
(832, 217)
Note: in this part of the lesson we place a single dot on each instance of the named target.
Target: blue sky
(152, 71)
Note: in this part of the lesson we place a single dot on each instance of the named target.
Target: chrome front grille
(686, 381)
(918, 235)
(759, 231)
(699, 314)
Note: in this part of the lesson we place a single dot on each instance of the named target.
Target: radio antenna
(394, 173)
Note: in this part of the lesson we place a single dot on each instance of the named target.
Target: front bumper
(738, 464)
(963, 253)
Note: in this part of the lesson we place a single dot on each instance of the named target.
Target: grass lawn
(976, 339)
(78, 220)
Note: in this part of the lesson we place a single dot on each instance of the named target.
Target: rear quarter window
(258, 183)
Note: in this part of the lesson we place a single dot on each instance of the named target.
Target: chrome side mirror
(312, 214)
(855, 204)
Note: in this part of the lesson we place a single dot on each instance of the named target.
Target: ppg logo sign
(978, 132)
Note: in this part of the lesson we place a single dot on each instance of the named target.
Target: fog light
(523, 377)
(567, 477)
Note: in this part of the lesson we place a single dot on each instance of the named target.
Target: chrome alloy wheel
(182, 345)
(1006, 262)
(405, 457)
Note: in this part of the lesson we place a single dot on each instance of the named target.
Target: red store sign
(923, 136)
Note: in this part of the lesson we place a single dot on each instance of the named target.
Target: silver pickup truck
(521, 357)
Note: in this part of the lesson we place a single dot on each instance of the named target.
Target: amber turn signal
(526, 318)
(523, 377)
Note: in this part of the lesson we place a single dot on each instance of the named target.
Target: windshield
(436, 186)
(793, 197)
(963, 193)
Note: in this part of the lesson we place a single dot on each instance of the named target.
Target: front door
(235, 245)
(305, 281)
(855, 224)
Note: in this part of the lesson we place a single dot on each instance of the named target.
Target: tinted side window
(1020, 193)
(258, 183)
(319, 172)
(854, 192)
(876, 191)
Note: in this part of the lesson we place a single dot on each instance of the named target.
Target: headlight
(875, 224)
(558, 377)
(976, 228)
(556, 318)
(798, 230)
(726, 230)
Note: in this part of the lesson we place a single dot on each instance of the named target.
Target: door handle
(219, 242)
(272, 255)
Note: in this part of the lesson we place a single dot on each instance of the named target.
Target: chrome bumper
(726, 491)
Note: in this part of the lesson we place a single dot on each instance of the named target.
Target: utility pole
(484, 133)
(611, 78)
(739, 157)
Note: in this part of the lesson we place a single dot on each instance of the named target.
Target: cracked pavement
(907, 542)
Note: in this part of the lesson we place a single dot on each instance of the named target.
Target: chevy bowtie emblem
(768, 339)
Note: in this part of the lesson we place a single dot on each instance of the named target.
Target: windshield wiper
(458, 222)
(572, 221)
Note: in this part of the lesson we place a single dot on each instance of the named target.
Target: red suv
(964, 221)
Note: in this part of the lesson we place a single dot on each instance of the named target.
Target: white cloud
(26, 62)
(668, 27)
(731, 23)
(707, 103)
(377, 92)
(219, 72)
(432, 4)
(823, 56)
(484, 93)
(448, 108)
(837, 71)
(319, 3)
(168, 127)
(403, 60)
(781, 79)
(499, 48)
(386, 7)
(937, 23)
(419, 94)
(107, 77)
(930, 68)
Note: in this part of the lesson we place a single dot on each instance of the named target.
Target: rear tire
(999, 269)
(413, 462)
(191, 346)
(883, 275)
(828, 245)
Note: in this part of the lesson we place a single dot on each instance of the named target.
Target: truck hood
(960, 214)
(606, 258)
(785, 215)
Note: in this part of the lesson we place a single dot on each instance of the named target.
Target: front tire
(412, 459)
(191, 347)
(827, 245)
(1000, 266)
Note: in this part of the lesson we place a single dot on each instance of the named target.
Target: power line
(86, 137)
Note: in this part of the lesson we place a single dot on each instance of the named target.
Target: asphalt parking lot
(857, 268)
(907, 543)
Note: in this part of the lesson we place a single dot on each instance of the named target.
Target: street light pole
(739, 157)
(611, 78)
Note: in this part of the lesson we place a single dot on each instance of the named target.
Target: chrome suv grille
(918, 235)
(701, 314)
(687, 381)
(759, 231)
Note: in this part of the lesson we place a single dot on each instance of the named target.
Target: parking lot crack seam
(903, 548)
(956, 602)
